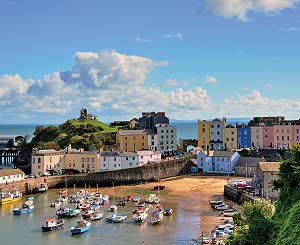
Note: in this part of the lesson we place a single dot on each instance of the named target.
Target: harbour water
(180, 228)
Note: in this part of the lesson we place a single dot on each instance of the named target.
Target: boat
(140, 210)
(11, 196)
(41, 188)
(118, 218)
(229, 212)
(25, 209)
(157, 216)
(109, 218)
(122, 203)
(140, 217)
(88, 214)
(55, 204)
(96, 216)
(81, 227)
(168, 211)
(152, 198)
(129, 198)
(52, 224)
(104, 199)
(136, 199)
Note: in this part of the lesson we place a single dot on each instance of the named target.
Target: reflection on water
(179, 228)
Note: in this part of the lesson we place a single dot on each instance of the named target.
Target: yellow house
(133, 140)
(230, 137)
(203, 134)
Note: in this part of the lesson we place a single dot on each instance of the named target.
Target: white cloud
(255, 104)
(142, 40)
(109, 69)
(13, 85)
(210, 79)
(177, 35)
(241, 8)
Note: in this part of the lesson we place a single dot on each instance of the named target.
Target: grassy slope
(106, 128)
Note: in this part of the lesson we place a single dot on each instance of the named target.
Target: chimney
(224, 121)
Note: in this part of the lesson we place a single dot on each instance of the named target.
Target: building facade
(267, 173)
(283, 136)
(218, 162)
(146, 157)
(216, 134)
(133, 140)
(150, 119)
(166, 137)
(230, 137)
(47, 161)
(110, 160)
(257, 137)
(243, 136)
(204, 134)
(11, 175)
(268, 137)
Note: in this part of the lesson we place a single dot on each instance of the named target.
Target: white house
(110, 160)
(166, 137)
(45, 161)
(148, 157)
(129, 160)
(11, 175)
(219, 162)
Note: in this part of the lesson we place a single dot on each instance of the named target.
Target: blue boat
(136, 199)
(26, 209)
(81, 227)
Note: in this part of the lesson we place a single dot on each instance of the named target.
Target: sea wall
(147, 173)
(238, 196)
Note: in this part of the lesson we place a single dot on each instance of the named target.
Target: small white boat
(140, 217)
(81, 227)
(157, 216)
(96, 216)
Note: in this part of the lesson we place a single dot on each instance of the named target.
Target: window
(39, 166)
(162, 137)
(297, 131)
(93, 165)
(33, 160)
(172, 131)
(133, 158)
(143, 137)
(218, 125)
(203, 130)
(245, 132)
(115, 165)
(127, 158)
(87, 159)
(104, 158)
(125, 137)
(82, 165)
(282, 137)
(92, 159)
(245, 140)
(141, 157)
(88, 165)
(115, 159)
(70, 165)
(162, 131)
(39, 160)
(227, 139)
(232, 139)
(82, 159)
(212, 126)
(130, 164)
(73, 164)
(288, 137)
(103, 165)
(143, 144)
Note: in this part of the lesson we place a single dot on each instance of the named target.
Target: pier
(10, 146)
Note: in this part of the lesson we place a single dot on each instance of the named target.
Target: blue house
(218, 162)
(243, 136)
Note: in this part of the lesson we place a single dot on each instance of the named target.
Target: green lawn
(106, 128)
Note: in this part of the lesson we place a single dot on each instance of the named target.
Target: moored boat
(41, 188)
(96, 216)
(52, 223)
(140, 217)
(157, 216)
(11, 196)
(168, 211)
(118, 218)
(25, 209)
(81, 227)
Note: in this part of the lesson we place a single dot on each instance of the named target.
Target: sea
(184, 130)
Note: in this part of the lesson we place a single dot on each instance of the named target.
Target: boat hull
(9, 200)
(77, 231)
(52, 228)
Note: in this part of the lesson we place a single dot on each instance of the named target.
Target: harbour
(191, 216)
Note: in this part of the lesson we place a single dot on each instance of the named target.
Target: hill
(87, 134)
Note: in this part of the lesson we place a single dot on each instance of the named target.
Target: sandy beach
(193, 192)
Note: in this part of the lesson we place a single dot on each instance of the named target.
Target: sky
(193, 59)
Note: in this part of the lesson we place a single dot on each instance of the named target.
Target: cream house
(11, 175)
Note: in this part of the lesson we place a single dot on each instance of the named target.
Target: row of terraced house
(259, 133)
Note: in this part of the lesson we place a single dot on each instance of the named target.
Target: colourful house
(243, 136)
(218, 162)
(216, 134)
(204, 134)
(268, 137)
(257, 137)
(230, 137)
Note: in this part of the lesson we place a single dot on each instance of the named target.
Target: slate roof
(248, 161)
(223, 153)
(135, 132)
(109, 154)
(269, 166)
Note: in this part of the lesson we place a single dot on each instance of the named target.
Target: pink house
(296, 136)
(283, 136)
(148, 157)
(268, 137)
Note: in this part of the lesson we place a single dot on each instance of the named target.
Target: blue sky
(192, 59)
